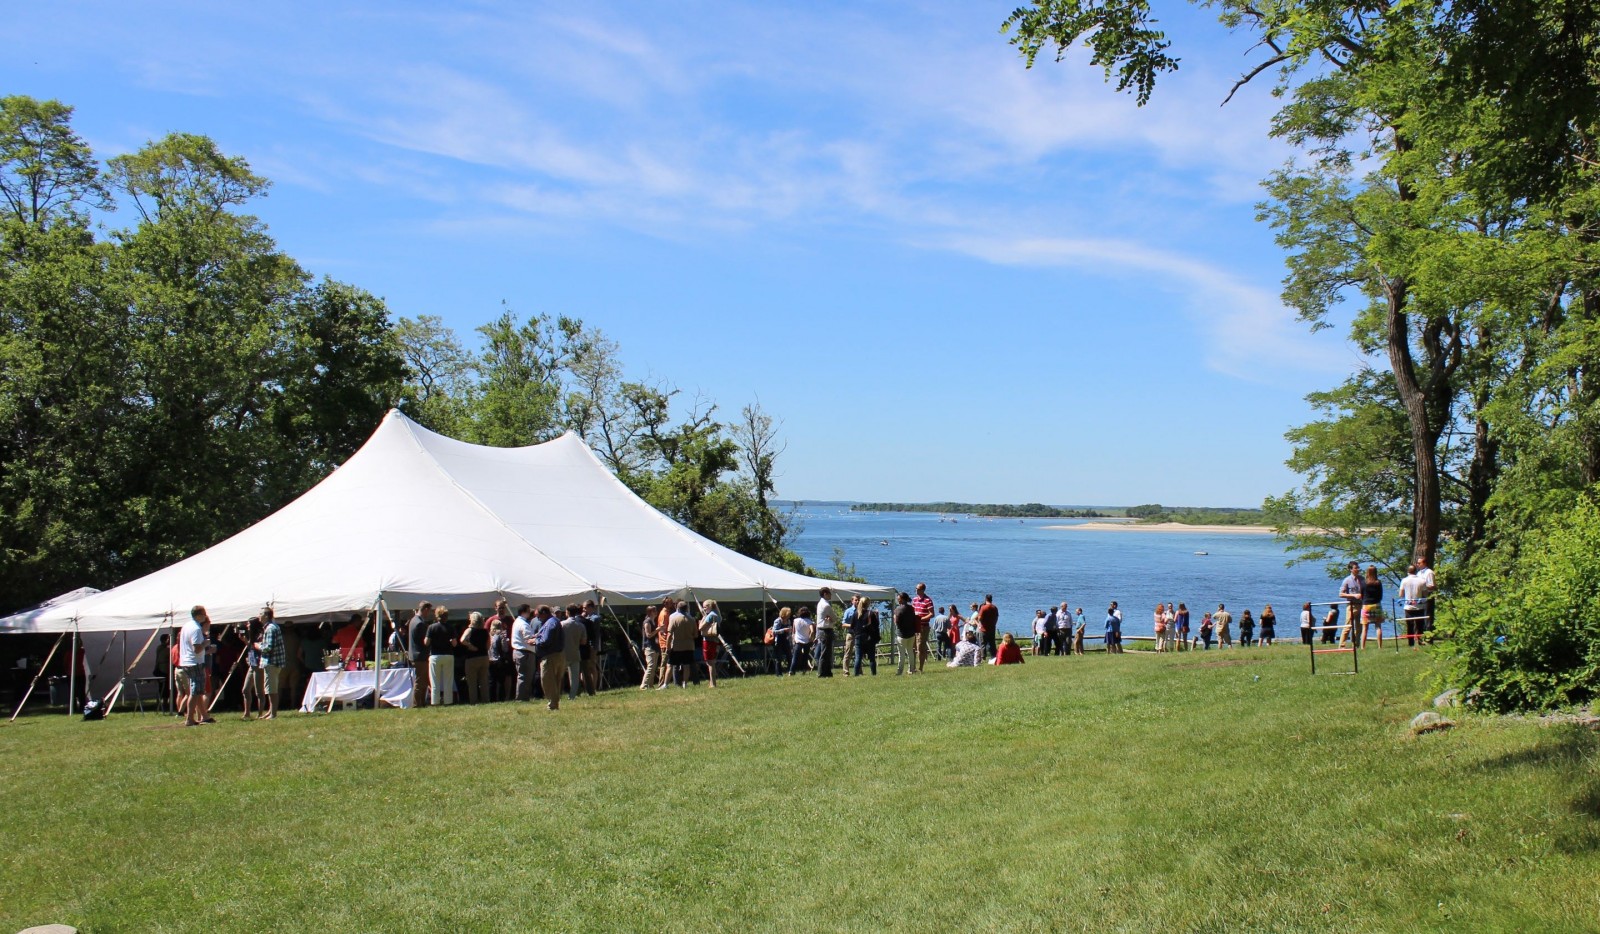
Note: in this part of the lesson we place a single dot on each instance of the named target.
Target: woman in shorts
(710, 638)
(1269, 626)
(1371, 605)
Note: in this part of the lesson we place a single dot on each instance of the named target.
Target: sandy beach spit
(1130, 526)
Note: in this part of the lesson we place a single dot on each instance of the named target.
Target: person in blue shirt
(1113, 629)
(548, 646)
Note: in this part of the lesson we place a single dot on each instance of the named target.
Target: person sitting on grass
(1008, 652)
(967, 654)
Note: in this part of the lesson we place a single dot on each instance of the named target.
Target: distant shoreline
(1131, 525)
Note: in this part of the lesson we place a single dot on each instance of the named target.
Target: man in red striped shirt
(922, 605)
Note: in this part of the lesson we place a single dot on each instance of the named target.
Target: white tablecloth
(395, 688)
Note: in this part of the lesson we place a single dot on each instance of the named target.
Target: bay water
(1029, 566)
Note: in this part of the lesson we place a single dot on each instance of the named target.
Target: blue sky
(949, 277)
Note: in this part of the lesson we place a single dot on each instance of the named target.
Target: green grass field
(1221, 791)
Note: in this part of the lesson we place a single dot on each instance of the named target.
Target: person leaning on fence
(1307, 621)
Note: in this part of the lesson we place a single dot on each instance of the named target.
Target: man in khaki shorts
(274, 656)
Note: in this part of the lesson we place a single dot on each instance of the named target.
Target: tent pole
(377, 651)
(124, 634)
(172, 674)
(72, 667)
(42, 669)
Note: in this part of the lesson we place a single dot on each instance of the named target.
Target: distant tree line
(1196, 515)
(170, 381)
(997, 510)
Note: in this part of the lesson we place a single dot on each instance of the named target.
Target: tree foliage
(1526, 628)
(173, 381)
(1444, 200)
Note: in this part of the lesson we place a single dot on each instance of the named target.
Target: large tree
(166, 387)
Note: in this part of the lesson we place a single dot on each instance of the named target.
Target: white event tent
(414, 516)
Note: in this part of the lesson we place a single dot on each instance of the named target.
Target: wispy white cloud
(1249, 333)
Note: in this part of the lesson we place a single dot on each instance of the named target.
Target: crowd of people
(539, 652)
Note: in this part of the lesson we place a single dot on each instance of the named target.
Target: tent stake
(116, 692)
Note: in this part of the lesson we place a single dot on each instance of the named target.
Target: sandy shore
(1112, 525)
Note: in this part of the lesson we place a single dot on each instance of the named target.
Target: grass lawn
(1221, 791)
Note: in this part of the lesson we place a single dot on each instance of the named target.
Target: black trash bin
(60, 690)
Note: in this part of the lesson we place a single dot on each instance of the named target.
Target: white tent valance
(414, 515)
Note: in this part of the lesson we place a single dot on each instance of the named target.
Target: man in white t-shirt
(1411, 606)
(826, 621)
(194, 645)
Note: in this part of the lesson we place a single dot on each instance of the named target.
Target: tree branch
(1274, 60)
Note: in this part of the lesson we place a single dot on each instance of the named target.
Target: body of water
(1028, 566)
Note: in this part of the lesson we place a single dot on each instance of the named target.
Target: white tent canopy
(414, 516)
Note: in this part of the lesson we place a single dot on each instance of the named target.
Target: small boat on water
(1202, 552)
(884, 542)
